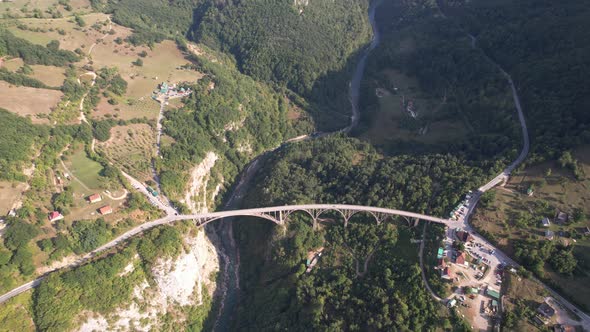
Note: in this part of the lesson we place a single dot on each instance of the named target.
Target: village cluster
(170, 91)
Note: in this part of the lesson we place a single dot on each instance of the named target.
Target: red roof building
(55, 216)
(460, 258)
(105, 210)
(94, 198)
(464, 236)
(447, 273)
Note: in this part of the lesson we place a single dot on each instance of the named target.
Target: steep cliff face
(196, 197)
(173, 286)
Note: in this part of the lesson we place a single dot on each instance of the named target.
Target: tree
(18, 234)
(563, 261)
(138, 62)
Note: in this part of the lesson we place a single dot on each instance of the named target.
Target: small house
(530, 191)
(549, 235)
(545, 222)
(55, 216)
(587, 231)
(105, 210)
(452, 303)
(546, 310)
(561, 218)
(441, 263)
(94, 198)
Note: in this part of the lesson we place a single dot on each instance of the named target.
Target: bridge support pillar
(347, 214)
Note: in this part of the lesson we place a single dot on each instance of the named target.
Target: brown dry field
(26, 101)
(74, 38)
(9, 194)
(50, 75)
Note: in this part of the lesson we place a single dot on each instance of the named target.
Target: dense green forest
(33, 54)
(274, 41)
(227, 112)
(339, 293)
(419, 43)
(17, 135)
(544, 45)
(159, 19)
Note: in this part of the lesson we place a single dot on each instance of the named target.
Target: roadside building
(549, 235)
(464, 236)
(545, 222)
(105, 210)
(94, 198)
(461, 259)
(494, 294)
(452, 303)
(55, 216)
(563, 328)
(587, 231)
(440, 253)
(546, 310)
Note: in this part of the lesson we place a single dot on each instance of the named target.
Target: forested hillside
(338, 293)
(544, 44)
(455, 87)
(228, 113)
(282, 42)
(159, 19)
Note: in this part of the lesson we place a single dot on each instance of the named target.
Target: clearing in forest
(84, 168)
(405, 112)
(25, 101)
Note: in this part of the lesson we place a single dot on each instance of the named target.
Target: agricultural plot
(29, 102)
(127, 109)
(405, 113)
(131, 147)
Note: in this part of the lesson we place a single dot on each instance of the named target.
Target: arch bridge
(280, 214)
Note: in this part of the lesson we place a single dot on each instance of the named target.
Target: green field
(85, 169)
